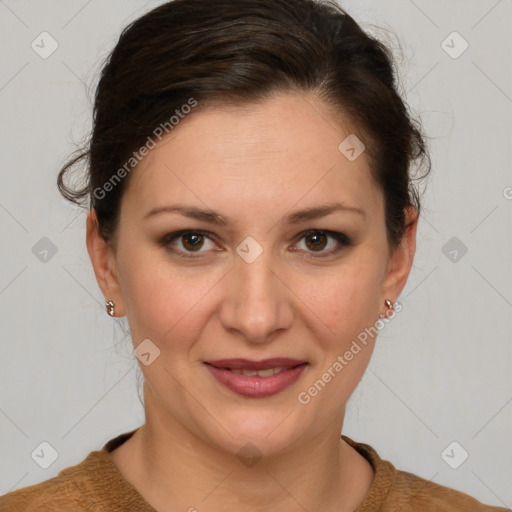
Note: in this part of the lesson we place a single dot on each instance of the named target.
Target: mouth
(256, 379)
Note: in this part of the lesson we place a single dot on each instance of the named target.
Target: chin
(267, 433)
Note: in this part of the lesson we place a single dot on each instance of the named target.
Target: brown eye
(320, 243)
(316, 241)
(192, 241)
(188, 243)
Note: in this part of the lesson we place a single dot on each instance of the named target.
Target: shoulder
(417, 493)
(72, 490)
(393, 490)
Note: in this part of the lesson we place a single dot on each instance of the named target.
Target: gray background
(441, 370)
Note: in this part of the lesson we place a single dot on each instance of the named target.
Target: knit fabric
(97, 485)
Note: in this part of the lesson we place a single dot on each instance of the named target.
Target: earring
(389, 305)
(110, 307)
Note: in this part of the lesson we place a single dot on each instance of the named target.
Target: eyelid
(342, 239)
(170, 237)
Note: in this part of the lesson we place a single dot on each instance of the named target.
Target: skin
(254, 166)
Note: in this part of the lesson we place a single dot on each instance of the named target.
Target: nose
(257, 303)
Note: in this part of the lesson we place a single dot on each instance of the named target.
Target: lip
(247, 364)
(256, 386)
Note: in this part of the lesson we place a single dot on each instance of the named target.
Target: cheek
(347, 303)
(164, 302)
(345, 300)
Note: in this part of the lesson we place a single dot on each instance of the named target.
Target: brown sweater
(97, 485)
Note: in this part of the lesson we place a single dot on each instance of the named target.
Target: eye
(187, 242)
(317, 240)
(190, 242)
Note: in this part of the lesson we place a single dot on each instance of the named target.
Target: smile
(256, 379)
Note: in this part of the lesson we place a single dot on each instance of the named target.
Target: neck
(173, 469)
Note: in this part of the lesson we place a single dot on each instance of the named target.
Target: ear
(104, 263)
(401, 258)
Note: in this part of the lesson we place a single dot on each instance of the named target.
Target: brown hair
(242, 51)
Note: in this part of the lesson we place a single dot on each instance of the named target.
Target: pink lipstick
(256, 379)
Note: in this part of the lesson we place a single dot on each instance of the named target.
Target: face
(254, 279)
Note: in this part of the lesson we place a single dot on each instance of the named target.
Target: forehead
(273, 153)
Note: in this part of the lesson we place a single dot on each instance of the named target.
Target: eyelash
(341, 238)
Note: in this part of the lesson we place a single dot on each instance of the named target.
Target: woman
(253, 216)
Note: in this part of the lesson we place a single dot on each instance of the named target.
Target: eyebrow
(296, 217)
